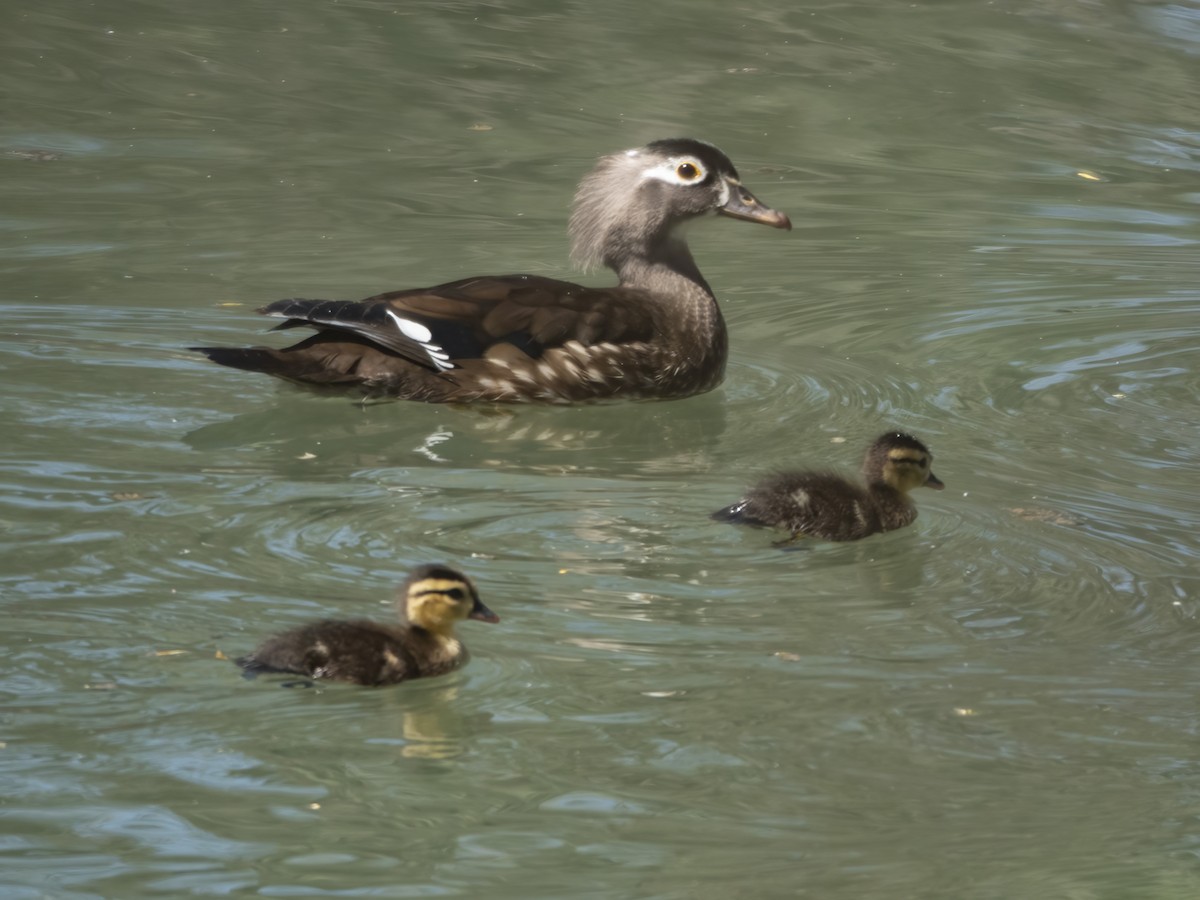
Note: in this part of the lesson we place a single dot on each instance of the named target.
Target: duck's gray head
(632, 203)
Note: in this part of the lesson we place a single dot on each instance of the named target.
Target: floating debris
(34, 154)
(1041, 514)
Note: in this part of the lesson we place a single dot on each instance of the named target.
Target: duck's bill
(934, 482)
(744, 205)
(483, 614)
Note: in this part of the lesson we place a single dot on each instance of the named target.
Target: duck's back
(361, 652)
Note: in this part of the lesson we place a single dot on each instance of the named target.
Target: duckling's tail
(738, 514)
(252, 668)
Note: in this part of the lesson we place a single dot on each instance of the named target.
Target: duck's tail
(252, 359)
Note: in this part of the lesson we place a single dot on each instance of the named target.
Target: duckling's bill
(483, 614)
(934, 482)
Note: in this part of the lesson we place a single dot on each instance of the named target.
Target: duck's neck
(442, 644)
(435, 631)
(890, 501)
(435, 652)
(667, 268)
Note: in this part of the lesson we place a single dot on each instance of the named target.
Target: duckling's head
(435, 597)
(632, 202)
(900, 461)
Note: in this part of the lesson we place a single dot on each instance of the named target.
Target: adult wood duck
(657, 334)
(825, 505)
(432, 599)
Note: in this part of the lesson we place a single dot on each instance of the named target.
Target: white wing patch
(415, 331)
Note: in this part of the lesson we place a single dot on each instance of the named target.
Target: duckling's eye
(687, 171)
(455, 593)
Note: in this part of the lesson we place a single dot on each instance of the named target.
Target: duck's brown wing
(449, 341)
(443, 326)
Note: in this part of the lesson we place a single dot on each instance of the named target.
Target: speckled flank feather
(826, 505)
(511, 338)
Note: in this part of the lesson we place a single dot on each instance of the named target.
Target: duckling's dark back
(816, 504)
(361, 652)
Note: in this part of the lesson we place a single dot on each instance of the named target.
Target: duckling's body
(658, 334)
(825, 505)
(433, 599)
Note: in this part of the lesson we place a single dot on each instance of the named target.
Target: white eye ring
(676, 171)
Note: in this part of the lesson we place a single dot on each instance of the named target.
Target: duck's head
(632, 204)
(435, 597)
(900, 461)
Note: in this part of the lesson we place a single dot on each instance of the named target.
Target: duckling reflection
(826, 505)
(433, 599)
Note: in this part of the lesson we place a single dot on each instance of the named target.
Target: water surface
(995, 248)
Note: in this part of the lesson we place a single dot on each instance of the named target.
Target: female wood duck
(825, 505)
(432, 600)
(658, 334)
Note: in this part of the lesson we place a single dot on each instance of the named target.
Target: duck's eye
(687, 171)
(455, 594)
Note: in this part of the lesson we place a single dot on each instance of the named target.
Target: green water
(996, 210)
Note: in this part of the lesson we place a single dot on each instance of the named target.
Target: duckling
(658, 334)
(432, 599)
(826, 505)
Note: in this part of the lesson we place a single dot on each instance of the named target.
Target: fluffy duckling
(431, 600)
(826, 505)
